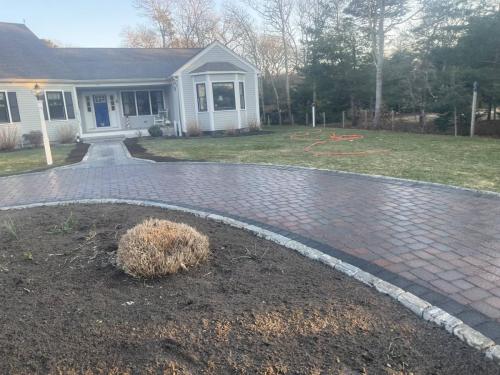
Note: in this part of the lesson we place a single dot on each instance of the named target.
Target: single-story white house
(122, 91)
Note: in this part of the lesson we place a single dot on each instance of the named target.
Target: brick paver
(440, 243)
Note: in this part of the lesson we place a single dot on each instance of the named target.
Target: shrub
(155, 131)
(254, 126)
(158, 248)
(193, 130)
(34, 138)
(8, 137)
(66, 134)
(230, 132)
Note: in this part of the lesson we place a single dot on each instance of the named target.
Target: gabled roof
(217, 67)
(24, 56)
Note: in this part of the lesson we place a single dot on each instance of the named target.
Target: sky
(88, 23)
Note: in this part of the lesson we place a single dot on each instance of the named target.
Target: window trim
(198, 97)
(121, 100)
(136, 106)
(64, 104)
(8, 108)
(240, 83)
(234, 90)
(162, 101)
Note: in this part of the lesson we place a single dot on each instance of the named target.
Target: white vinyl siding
(28, 109)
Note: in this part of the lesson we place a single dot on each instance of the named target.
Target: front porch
(125, 111)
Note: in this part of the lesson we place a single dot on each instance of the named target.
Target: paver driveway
(440, 243)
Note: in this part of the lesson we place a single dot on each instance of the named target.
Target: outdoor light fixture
(39, 94)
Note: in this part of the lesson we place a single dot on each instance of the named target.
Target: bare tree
(272, 55)
(379, 17)
(160, 13)
(198, 24)
(277, 15)
(140, 37)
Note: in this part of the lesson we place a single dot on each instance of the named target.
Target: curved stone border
(415, 304)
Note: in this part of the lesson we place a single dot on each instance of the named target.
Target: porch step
(118, 135)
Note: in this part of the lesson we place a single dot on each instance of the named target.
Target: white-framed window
(9, 108)
(224, 96)
(201, 93)
(242, 95)
(142, 102)
(59, 106)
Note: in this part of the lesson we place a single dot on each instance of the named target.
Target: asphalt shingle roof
(24, 56)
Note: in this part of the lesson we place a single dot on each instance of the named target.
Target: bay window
(201, 92)
(224, 96)
(242, 96)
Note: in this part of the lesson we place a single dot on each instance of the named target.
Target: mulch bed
(77, 154)
(137, 151)
(253, 308)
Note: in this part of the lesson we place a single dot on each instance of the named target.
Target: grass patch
(28, 160)
(461, 161)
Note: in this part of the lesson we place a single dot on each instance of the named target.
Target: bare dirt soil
(253, 308)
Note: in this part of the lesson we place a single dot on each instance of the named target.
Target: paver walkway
(440, 243)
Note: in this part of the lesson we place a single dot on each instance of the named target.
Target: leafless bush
(66, 134)
(193, 130)
(34, 138)
(158, 248)
(254, 126)
(230, 132)
(9, 137)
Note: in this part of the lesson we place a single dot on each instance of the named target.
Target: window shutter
(70, 109)
(45, 113)
(14, 107)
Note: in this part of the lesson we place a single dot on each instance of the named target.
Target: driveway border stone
(418, 306)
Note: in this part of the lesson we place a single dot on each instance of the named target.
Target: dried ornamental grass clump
(158, 248)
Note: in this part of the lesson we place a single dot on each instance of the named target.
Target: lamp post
(46, 144)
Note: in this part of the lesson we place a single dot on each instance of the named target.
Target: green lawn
(27, 160)
(473, 163)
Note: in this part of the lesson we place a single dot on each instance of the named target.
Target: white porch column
(210, 103)
(238, 101)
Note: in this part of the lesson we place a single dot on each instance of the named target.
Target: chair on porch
(161, 119)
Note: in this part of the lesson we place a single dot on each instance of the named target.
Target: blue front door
(101, 111)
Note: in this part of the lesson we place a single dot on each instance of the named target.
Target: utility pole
(343, 119)
(474, 108)
(324, 119)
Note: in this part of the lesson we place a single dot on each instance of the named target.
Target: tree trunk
(287, 74)
(455, 123)
(262, 102)
(354, 118)
(379, 66)
(490, 106)
(277, 97)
